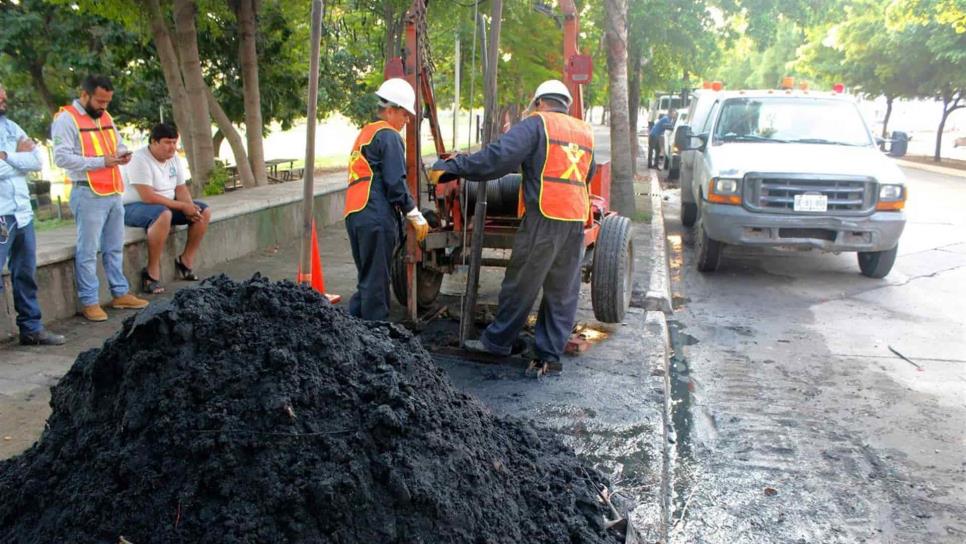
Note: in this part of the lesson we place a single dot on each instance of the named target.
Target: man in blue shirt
(655, 137)
(19, 155)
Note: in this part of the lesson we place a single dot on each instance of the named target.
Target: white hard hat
(553, 87)
(399, 92)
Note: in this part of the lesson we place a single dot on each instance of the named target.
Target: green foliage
(217, 179)
(46, 49)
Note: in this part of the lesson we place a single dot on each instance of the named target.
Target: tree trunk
(234, 139)
(248, 57)
(40, 85)
(186, 41)
(491, 117)
(172, 78)
(950, 105)
(622, 171)
(217, 140)
(885, 122)
(635, 66)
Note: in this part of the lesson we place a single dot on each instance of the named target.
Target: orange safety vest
(98, 139)
(563, 181)
(360, 173)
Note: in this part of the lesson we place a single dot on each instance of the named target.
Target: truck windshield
(791, 119)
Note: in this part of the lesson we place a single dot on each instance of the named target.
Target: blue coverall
(546, 252)
(374, 230)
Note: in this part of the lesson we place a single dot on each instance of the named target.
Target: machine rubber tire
(707, 251)
(877, 264)
(689, 213)
(428, 281)
(674, 172)
(612, 276)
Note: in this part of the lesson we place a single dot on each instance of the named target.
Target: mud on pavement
(256, 412)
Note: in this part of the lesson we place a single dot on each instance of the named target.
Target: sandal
(150, 285)
(186, 273)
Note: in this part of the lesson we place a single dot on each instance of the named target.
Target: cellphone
(125, 154)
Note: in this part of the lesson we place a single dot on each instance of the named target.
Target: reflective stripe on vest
(360, 173)
(563, 180)
(97, 138)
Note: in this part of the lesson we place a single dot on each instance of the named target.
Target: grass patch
(642, 217)
(41, 225)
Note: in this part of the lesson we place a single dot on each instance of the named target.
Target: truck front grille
(846, 196)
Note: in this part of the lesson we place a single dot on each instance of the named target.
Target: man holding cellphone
(156, 198)
(88, 147)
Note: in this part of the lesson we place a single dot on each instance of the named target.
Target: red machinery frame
(448, 237)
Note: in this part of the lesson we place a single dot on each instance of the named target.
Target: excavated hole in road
(256, 412)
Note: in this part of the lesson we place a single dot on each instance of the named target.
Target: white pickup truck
(789, 168)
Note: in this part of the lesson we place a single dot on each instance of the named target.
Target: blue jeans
(141, 215)
(20, 246)
(100, 227)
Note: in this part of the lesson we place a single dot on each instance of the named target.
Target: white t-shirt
(144, 169)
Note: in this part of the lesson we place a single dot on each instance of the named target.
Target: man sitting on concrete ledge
(157, 198)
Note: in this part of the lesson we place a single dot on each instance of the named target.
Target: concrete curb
(930, 168)
(658, 296)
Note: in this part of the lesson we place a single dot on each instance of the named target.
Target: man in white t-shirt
(157, 198)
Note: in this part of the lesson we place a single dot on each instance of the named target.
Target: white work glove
(419, 223)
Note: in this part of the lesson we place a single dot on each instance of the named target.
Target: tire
(708, 251)
(689, 213)
(675, 171)
(877, 264)
(612, 274)
(428, 281)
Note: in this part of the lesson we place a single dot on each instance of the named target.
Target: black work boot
(42, 337)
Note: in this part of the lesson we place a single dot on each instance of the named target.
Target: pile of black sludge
(257, 412)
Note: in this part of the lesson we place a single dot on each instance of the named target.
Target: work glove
(419, 223)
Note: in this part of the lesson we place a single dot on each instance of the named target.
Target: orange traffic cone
(317, 278)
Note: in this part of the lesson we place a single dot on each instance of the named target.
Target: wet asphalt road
(793, 420)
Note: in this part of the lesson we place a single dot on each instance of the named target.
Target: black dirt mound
(256, 412)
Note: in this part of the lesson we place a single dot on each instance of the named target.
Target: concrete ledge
(932, 168)
(659, 291)
(242, 222)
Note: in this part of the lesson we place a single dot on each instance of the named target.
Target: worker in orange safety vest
(87, 145)
(556, 152)
(376, 197)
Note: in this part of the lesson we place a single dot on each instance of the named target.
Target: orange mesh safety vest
(360, 173)
(563, 181)
(98, 139)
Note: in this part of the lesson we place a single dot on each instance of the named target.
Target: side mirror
(681, 136)
(898, 144)
(689, 140)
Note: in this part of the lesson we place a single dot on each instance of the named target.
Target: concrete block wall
(243, 222)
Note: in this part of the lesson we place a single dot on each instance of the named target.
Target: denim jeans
(100, 227)
(20, 246)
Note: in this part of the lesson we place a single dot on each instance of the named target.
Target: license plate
(811, 203)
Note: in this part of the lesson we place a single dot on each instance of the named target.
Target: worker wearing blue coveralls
(376, 195)
(18, 244)
(546, 252)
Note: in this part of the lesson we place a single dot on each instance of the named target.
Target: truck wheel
(708, 250)
(689, 213)
(877, 264)
(675, 171)
(428, 281)
(612, 277)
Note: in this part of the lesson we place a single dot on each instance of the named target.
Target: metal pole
(469, 129)
(456, 91)
(308, 180)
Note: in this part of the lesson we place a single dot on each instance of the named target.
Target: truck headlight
(724, 191)
(892, 196)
